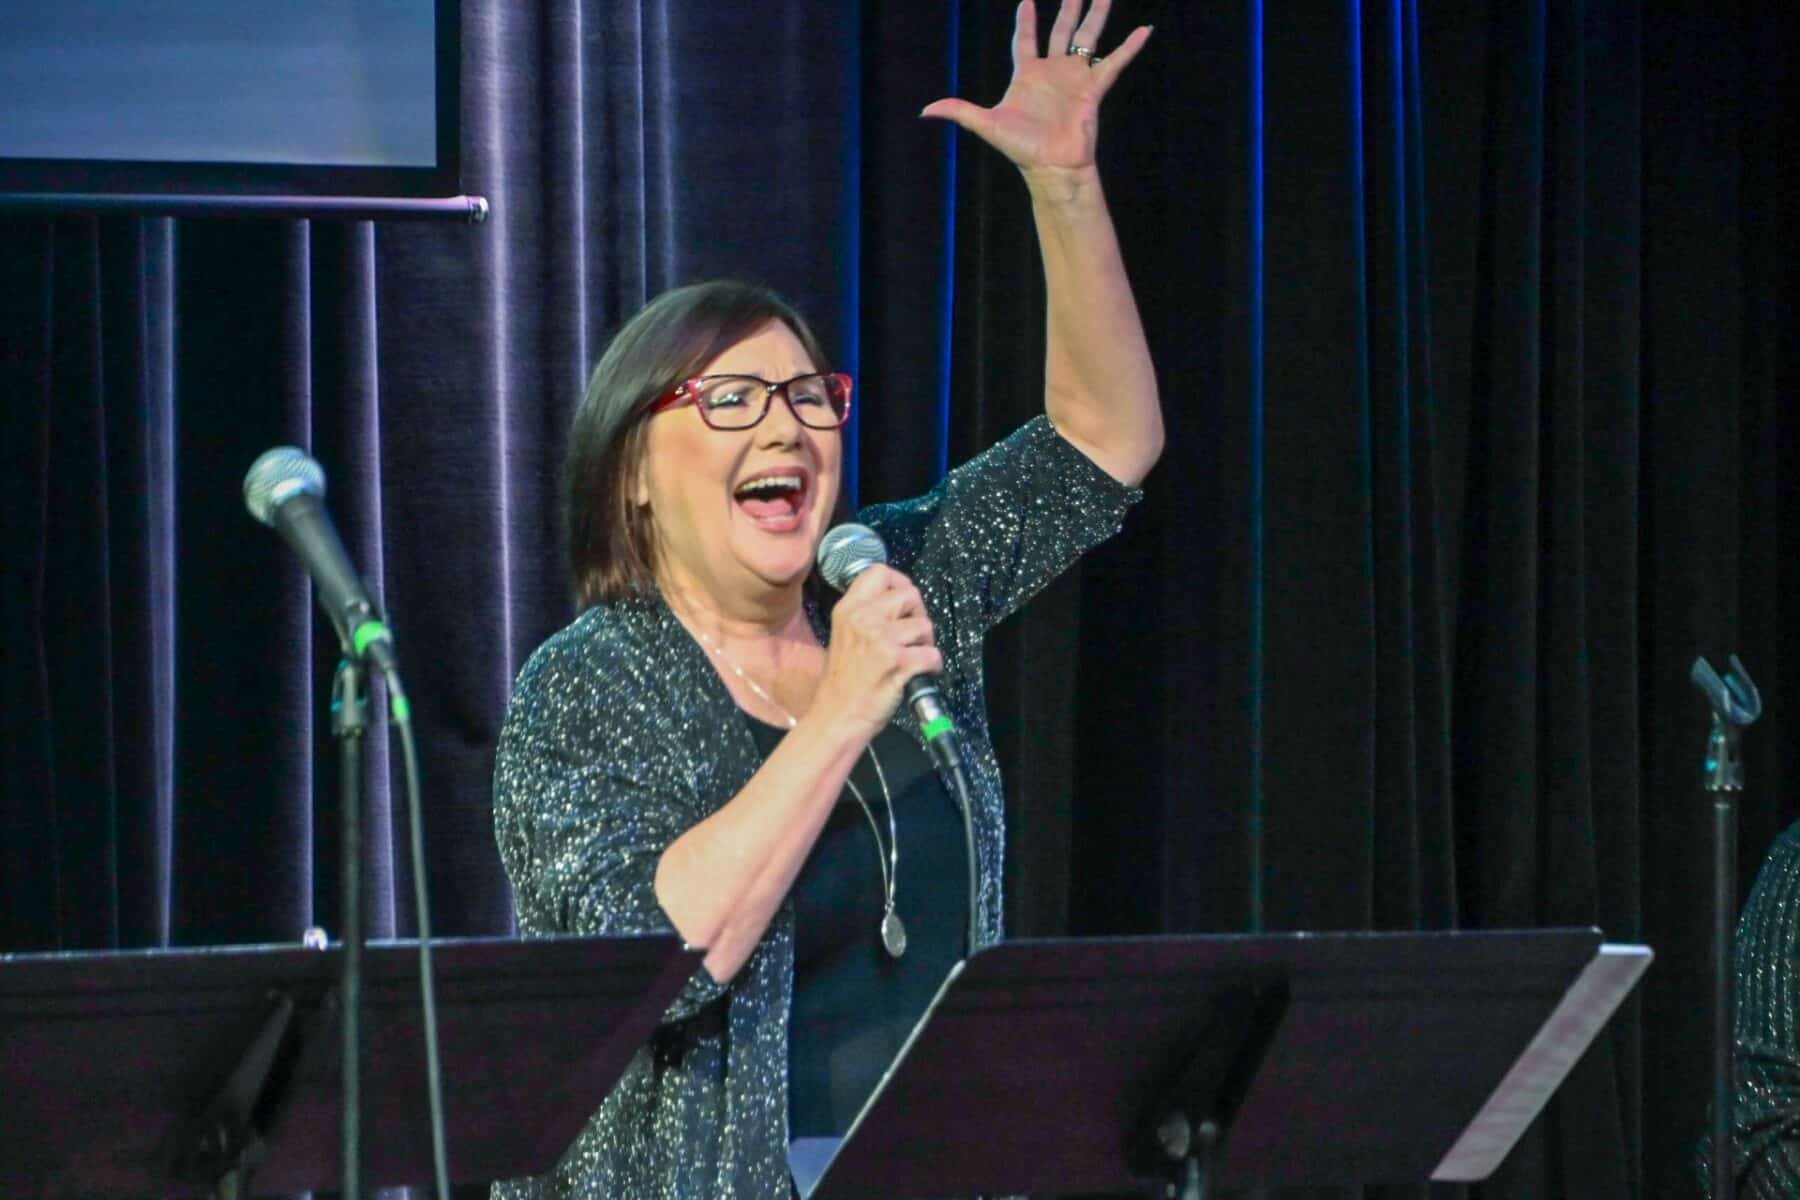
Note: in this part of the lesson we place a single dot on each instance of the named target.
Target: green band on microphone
(401, 709)
(367, 632)
(938, 728)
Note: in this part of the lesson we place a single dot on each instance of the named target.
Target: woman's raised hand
(880, 638)
(1048, 119)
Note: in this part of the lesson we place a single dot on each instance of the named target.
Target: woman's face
(713, 530)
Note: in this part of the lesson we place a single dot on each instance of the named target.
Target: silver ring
(1084, 51)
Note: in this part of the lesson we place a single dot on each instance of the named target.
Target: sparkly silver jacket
(621, 736)
(1765, 1131)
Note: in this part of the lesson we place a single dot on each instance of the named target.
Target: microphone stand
(1735, 704)
(349, 721)
(284, 489)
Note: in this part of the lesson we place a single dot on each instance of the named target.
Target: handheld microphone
(846, 552)
(285, 490)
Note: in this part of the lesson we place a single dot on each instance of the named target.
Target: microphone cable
(965, 802)
(401, 712)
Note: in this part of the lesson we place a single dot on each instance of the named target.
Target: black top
(854, 1004)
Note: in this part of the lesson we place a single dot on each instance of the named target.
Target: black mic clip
(1735, 703)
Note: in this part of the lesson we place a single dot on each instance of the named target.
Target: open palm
(1049, 117)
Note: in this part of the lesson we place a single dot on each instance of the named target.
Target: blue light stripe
(851, 263)
(1256, 814)
(947, 305)
(1402, 278)
(1364, 399)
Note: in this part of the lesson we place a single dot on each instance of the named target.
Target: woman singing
(704, 750)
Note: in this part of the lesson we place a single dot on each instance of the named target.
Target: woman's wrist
(1056, 187)
(835, 729)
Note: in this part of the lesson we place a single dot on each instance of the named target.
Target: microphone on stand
(285, 490)
(847, 551)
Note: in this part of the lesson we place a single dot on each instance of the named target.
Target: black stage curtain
(1472, 321)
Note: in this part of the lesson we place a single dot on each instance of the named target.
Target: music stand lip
(234, 949)
(102, 1054)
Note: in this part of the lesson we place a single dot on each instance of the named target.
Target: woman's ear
(640, 483)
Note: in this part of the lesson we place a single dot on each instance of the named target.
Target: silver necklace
(893, 931)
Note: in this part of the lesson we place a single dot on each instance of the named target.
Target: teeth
(771, 483)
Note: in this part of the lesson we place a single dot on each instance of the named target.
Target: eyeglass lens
(738, 401)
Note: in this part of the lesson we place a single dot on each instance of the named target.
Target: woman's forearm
(722, 881)
(1099, 383)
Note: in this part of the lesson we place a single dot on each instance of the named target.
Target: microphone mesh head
(277, 474)
(846, 550)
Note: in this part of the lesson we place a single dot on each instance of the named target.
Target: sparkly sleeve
(1766, 1123)
(1005, 523)
(581, 821)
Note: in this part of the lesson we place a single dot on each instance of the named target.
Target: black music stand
(1050, 1067)
(188, 1072)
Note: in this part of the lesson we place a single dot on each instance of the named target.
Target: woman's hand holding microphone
(880, 638)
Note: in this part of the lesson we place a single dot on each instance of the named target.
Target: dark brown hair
(611, 542)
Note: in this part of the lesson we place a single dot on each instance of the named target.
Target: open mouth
(773, 499)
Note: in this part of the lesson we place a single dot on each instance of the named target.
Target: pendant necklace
(893, 931)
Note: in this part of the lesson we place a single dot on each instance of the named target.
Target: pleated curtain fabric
(169, 772)
(1470, 321)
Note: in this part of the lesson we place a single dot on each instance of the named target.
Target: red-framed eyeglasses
(731, 401)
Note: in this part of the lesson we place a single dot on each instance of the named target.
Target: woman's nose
(781, 426)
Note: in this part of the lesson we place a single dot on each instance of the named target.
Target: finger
(1121, 58)
(869, 583)
(971, 117)
(1024, 43)
(900, 600)
(1088, 32)
(914, 631)
(886, 596)
(923, 660)
(1063, 31)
